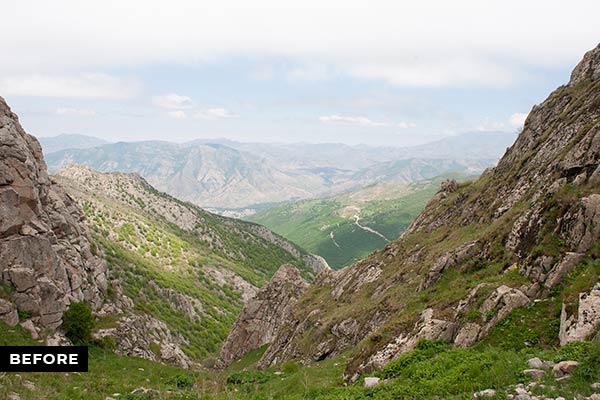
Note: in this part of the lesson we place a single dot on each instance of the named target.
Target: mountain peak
(4, 108)
(588, 68)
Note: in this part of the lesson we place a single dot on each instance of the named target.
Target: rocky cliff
(264, 314)
(46, 260)
(518, 235)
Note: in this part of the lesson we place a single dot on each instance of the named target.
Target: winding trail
(367, 229)
(333, 240)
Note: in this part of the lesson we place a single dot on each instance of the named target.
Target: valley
(463, 268)
(347, 227)
(184, 267)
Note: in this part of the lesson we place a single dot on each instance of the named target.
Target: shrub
(577, 351)
(243, 377)
(106, 343)
(24, 315)
(290, 367)
(182, 381)
(590, 363)
(78, 322)
(424, 350)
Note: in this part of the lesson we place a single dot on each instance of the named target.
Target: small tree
(78, 322)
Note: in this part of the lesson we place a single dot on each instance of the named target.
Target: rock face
(588, 69)
(8, 313)
(45, 254)
(588, 318)
(263, 315)
(428, 328)
(526, 224)
(147, 337)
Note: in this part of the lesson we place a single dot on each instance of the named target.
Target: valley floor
(433, 370)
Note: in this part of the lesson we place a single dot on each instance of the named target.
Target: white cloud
(517, 120)
(177, 114)
(488, 124)
(424, 43)
(178, 103)
(173, 101)
(215, 113)
(75, 112)
(363, 121)
(437, 72)
(88, 85)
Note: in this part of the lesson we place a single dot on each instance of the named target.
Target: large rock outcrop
(141, 335)
(45, 253)
(586, 322)
(264, 314)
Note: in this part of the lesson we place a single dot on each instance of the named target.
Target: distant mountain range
(222, 174)
(63, 142)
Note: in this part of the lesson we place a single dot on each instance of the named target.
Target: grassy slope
(386, 208)
(433, 370)
(141, 246)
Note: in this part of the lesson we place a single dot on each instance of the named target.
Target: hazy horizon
(427, 140)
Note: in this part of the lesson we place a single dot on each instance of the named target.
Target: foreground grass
(433, 370)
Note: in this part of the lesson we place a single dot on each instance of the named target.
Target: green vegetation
(432, 370)
(78, 323)
(166, 252)
(328, 227)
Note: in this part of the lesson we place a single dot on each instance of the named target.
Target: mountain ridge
(51, 144)
(478, 251)
(218, 176)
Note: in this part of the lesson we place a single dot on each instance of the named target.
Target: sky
(373, 72)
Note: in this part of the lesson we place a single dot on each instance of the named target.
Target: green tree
(78, 323)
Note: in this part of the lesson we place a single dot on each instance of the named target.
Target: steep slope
(46, 260)
(526, 230)
(347, 227)
(51, 144)
(186, 272)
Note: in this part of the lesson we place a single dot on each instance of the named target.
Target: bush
(590, 362)
(243, 377)
(78, 323)
(577, 351)
(106, 343)
(24, 315)
(424, 350)
(290, 367)
(181, 381)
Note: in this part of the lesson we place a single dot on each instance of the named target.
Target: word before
(44, 359)
(49, 359)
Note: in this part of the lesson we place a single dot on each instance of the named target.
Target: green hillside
(329, 227)
(165, 252)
